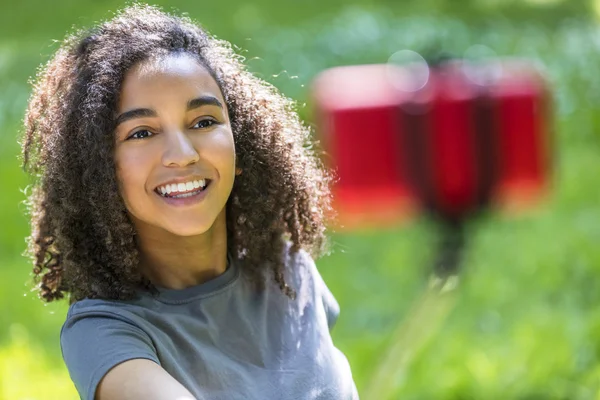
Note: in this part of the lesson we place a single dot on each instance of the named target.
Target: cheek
(131, 178)
(220, 151)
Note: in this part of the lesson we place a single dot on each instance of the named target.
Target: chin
(189, 229)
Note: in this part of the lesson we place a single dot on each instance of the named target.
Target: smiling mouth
(183, 190)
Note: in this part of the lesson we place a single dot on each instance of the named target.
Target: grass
(525, 322)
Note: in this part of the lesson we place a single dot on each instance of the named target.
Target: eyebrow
(133, 114)
(147, 112)
(203, 101)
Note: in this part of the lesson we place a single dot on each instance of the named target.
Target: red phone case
(452, 147)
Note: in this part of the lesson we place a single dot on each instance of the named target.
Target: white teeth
(180, 196)
(183, 188)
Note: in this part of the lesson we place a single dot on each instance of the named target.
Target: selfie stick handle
(425, 317)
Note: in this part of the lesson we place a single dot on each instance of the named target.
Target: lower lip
(185, 201)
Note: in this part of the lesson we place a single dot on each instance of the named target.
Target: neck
(178, 262)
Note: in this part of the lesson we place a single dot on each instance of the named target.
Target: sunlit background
(524, 322)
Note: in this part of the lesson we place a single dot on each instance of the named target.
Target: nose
(179, 150)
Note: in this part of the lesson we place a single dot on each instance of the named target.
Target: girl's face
(175, 154)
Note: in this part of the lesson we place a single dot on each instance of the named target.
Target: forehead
(180, 73)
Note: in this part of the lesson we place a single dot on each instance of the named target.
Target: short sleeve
(92, 343)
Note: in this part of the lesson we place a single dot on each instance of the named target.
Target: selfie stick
(471, 137)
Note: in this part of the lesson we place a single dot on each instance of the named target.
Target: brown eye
(204, 123)
(141, 134)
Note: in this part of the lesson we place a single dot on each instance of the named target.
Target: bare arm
(140, 379)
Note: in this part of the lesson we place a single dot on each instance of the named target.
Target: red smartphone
(466, 138)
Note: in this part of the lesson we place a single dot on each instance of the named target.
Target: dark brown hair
(82, 241)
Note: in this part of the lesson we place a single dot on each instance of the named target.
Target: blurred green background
(526, 320)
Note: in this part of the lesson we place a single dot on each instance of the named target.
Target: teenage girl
(177, 202)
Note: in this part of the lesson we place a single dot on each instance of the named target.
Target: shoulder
(115, 320)
(300, 267)
(104, 309)
(306, 279)
(93, 306)
(107, 317)
(96, 336)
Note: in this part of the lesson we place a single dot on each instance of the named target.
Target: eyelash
(212, 122)
(132, 136)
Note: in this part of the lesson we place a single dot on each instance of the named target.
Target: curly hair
(82, 240)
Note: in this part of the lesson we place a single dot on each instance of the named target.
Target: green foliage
(525, 322)
(26, 371)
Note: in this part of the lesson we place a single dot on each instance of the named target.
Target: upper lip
(184, 179)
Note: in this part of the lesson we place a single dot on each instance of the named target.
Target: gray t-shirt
(222, 339)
